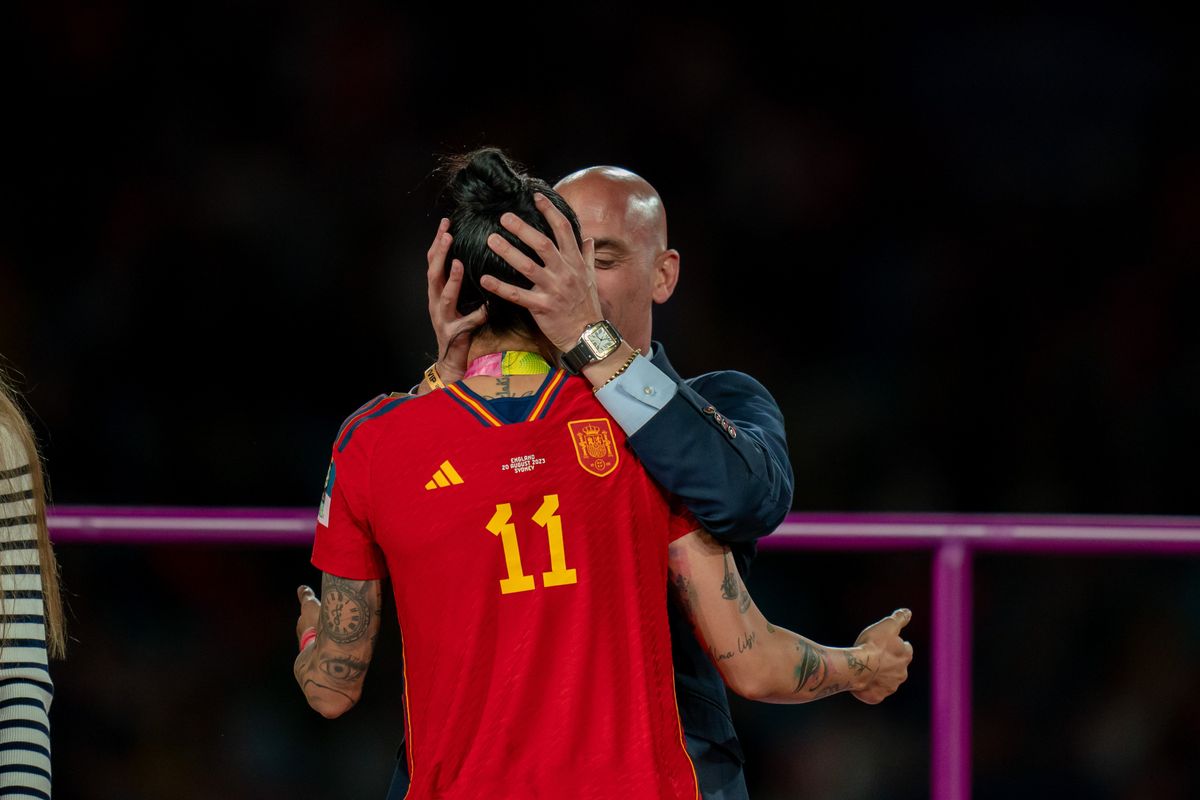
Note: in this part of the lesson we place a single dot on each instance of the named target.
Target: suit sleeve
(719, 445)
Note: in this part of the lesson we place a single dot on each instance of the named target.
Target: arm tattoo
(685, 593)
(345, 609)
(729, 587)
(744, 643)
(717, 655)
(732, 587)
(833, 688)
(304, 688)
(812, 663)
(344, 669)
(858, 665)
(744, 602)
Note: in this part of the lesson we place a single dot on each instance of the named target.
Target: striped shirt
(25, 686)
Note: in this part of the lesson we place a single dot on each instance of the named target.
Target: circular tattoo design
(345, 615)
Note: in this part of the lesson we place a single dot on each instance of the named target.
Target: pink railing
(952, 538)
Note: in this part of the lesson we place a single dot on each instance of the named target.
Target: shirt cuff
(637, 394)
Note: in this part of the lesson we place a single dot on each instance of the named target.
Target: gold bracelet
(432, 378)
(625, 366)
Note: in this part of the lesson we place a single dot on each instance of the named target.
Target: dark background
(959, 249)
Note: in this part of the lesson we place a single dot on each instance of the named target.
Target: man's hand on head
(563, 299)
(450, 327)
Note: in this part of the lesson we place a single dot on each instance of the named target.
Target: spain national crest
(595, 445)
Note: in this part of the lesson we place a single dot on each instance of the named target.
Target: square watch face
(601, 340)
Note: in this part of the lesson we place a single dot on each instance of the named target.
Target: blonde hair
(12, 418)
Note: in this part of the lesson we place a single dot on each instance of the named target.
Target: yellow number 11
(547, 517)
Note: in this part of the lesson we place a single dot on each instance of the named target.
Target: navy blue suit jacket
(719, 446)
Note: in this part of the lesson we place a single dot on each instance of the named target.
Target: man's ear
(666, 275)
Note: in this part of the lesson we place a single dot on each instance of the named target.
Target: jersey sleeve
(682, 521)
(345, 545)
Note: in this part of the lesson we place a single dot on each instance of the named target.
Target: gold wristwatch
(597, 342)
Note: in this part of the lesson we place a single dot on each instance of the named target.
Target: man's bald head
(620, 190)
(625, 217)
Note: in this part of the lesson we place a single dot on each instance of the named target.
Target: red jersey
(529, 565)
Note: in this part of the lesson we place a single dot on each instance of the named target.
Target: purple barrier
(1045, 534)
(953, 538)
(176, 525)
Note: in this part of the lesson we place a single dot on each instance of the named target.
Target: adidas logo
(445, 476)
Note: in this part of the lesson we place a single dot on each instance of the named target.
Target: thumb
(304, 594)
(473, 320)
(902, 616)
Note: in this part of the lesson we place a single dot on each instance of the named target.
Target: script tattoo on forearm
(744, 643)
(718, 655)
(812, 664)
(346, 609)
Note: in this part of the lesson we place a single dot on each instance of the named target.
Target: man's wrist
(862, 661)
(597, 342)
(600, 372)
(570, 341)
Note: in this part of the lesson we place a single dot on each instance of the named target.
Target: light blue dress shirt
(637, 394)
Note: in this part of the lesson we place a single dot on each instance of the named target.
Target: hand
(310, 611)
(883, 663)
(448, 325)
(563, 299)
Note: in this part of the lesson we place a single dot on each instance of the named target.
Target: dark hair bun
(483, 185)
(485, 179)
